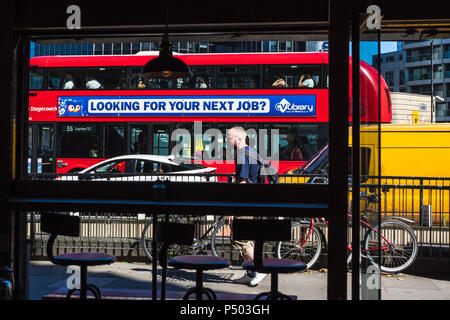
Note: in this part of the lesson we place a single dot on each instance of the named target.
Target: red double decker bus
(84, 109)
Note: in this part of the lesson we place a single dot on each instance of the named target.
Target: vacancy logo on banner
(284, 106)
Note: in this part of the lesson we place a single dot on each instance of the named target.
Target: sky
(369, 48)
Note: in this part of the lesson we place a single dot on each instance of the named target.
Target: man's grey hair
(238, 132)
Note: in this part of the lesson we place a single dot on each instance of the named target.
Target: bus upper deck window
(64, 78)
(111, 78)
(307, 76)
(36, 79)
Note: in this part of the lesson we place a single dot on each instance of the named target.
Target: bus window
(45, 151)
(64, 79)
(295, 76)
(115, 140)
(139, 82)
(36, 79)
(237, 77)
(138, 140)
(161, 140)
(107, 78)
(201, 79)
(79, 141)
(298, 142)
(325, 76)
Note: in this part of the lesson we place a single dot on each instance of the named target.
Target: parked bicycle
(393, 245)
(216, 238)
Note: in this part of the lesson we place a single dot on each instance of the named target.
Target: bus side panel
(69, 165)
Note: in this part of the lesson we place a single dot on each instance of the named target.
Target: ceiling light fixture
(166, 66)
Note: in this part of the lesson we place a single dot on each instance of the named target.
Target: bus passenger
(141, 85)
(306, 81)
(94, 151)
(306, 148)
(123, 81)
(292, 151)
(68, 82)
(93, 83)
(202, 83)
(280, 83)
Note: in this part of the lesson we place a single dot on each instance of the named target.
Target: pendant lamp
(166, 66)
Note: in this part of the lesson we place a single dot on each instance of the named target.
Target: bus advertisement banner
(261, 105)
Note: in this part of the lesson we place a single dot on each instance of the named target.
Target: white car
(145, 167)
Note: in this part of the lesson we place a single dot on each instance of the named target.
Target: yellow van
(420, 155)
(415, 169)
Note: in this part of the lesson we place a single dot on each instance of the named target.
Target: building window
(107, 48)
(135, 48)
(389, 77)
(401, 77)
(117, 48)
(422, 73)
(421, 89)
(98, 49)
(422, 54)
(273, 46)
(126, 48)
(438, 72)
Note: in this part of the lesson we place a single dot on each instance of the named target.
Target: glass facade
(180, 47)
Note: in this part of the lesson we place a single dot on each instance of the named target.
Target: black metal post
(8, 242)
(379, 143)
(83, 282)
(199, 285)
(432, 91)
(356, 183)
(154, 262)
(339, 17)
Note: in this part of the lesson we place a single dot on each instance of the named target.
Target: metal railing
(426, 201)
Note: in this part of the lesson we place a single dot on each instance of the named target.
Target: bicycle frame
(212, 227)
(367, 225)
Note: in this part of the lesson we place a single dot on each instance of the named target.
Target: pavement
(46, 278)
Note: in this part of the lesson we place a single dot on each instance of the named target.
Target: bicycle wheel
(305, 246)
(398, 249)
(221, 246)
(146, 238)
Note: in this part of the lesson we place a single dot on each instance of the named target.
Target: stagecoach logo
(285, 106)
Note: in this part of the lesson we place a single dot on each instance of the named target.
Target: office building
(414, 69)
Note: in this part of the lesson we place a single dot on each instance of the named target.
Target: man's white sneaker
(245, 279)
(257, 279)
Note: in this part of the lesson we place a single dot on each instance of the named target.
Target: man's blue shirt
(247, 166)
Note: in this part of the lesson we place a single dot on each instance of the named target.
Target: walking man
(246, 171)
